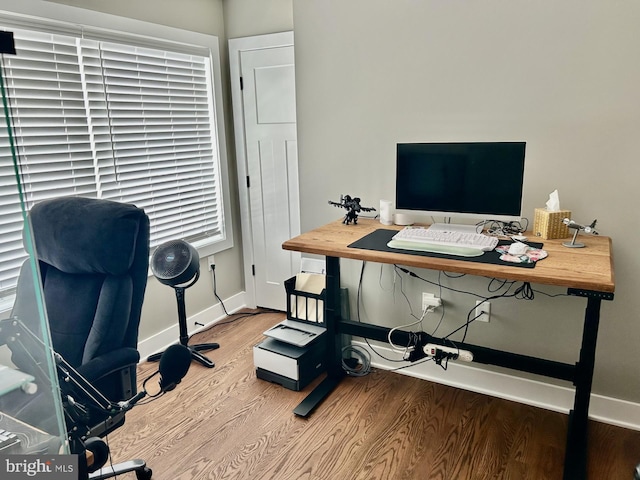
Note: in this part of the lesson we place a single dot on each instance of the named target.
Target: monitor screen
(479, 179)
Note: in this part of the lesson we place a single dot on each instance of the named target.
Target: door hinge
(248, 182)
(241, 84)
(253, 270)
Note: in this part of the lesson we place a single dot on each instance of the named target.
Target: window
(116, 120)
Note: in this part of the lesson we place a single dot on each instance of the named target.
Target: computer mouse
(518, 248)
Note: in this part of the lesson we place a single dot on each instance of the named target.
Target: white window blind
(114, 121)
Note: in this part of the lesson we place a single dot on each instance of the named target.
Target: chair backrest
(93, 257)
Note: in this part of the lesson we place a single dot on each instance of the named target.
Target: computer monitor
(482, 180)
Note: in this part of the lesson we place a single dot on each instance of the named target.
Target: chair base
(139, 466)
(195, 354)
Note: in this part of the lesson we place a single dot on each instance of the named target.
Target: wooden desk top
(588, 268)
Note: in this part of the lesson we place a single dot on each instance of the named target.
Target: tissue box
(548, 225)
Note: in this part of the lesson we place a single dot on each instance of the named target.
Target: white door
(269, 181)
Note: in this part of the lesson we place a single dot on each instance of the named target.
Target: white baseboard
(208, 317)
(510, 387)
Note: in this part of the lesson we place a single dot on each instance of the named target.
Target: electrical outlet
(211, 261)
(483, 311)
(430, 300)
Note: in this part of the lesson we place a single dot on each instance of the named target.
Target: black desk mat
(378, 239)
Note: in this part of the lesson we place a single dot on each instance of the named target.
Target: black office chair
(93, 257)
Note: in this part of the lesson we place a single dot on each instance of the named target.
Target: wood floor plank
(224, 423)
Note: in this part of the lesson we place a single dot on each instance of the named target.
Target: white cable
(404, 349)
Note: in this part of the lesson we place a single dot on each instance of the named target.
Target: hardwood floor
(224, 423)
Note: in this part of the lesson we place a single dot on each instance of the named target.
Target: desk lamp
(176, 263)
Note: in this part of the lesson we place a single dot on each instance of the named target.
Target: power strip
(431, 349)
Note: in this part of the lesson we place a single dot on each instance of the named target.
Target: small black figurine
(353, 207)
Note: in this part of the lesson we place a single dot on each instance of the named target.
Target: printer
(291, 366)
(293, 354)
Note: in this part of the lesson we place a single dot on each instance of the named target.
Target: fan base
(195, 354)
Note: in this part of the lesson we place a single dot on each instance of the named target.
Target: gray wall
(202, 16)
(563, 76)
(244, 18)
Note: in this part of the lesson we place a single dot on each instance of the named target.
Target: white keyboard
(425, 235)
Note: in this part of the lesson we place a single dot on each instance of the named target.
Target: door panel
(272, 166)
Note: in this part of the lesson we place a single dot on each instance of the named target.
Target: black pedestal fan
(177, 264)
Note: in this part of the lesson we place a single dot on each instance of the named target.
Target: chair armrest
(99, 367)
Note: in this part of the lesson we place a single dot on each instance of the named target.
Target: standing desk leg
(575, 462)
(333, 357)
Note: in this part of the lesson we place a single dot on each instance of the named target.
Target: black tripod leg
(155, 357)
(198, 357)
(194, 351)
(204, 347)
(184, 334)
